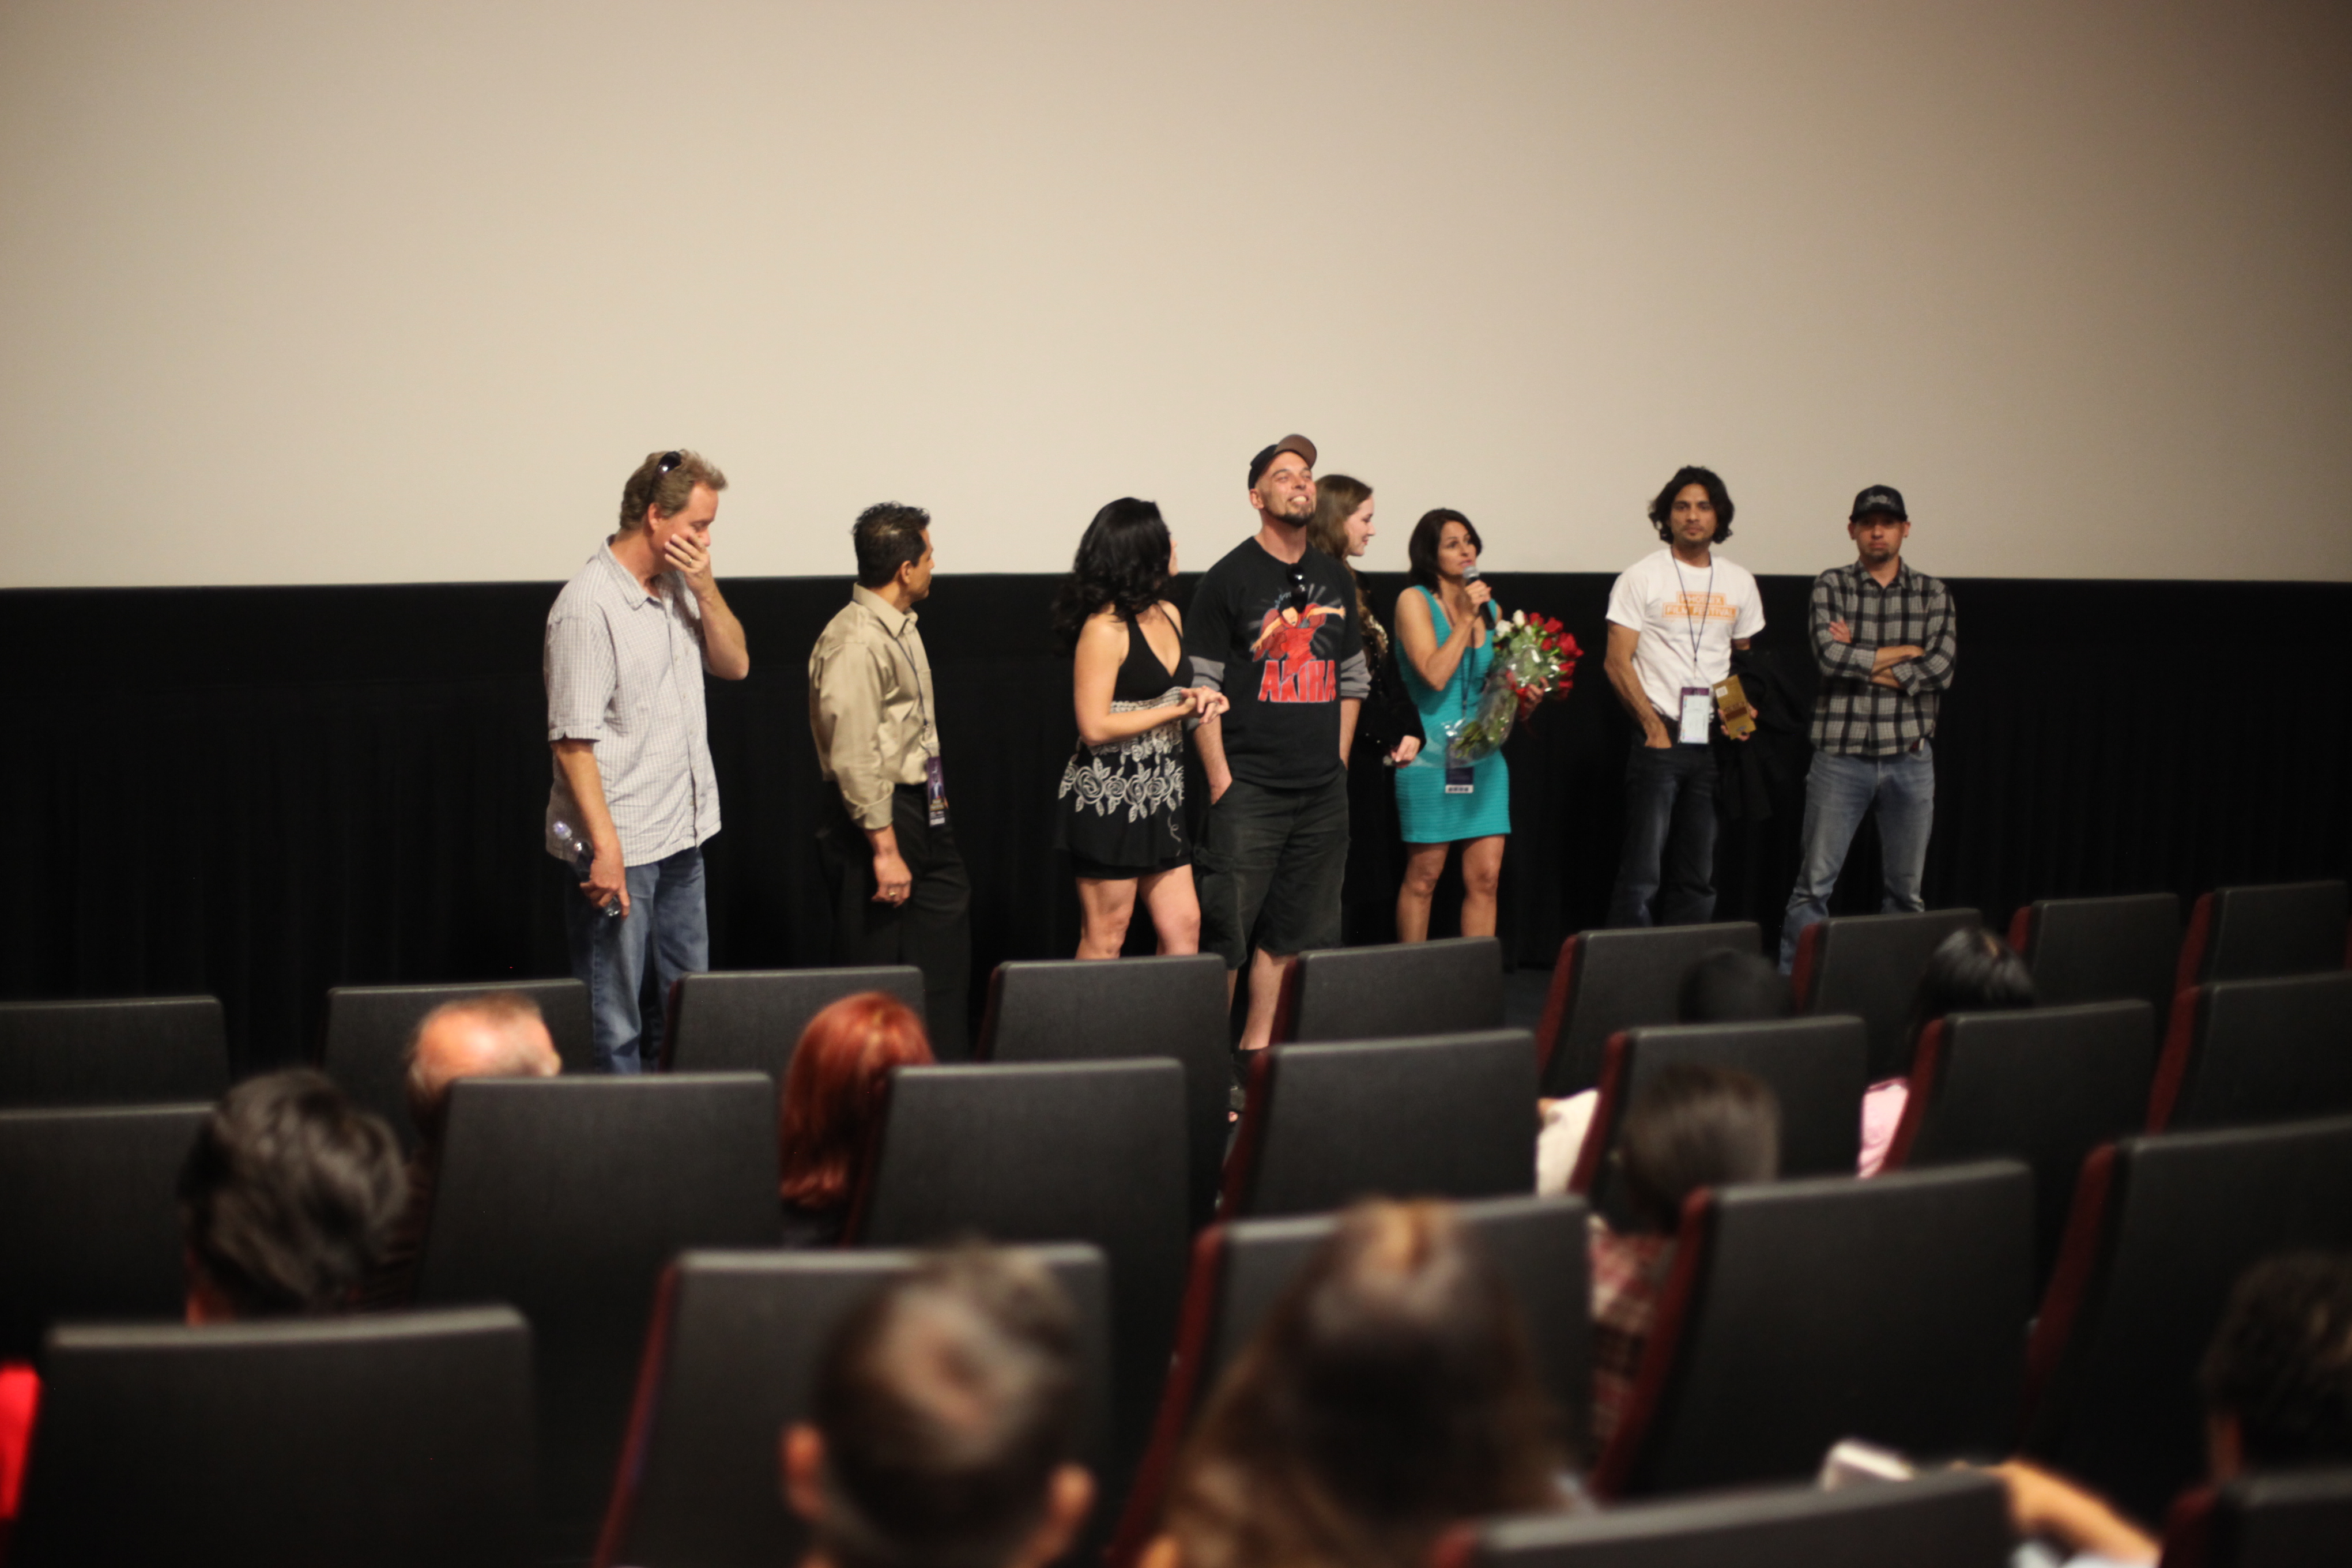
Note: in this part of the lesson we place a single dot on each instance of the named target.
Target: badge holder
(1459, 773)
(1698, 705)
(935, 790)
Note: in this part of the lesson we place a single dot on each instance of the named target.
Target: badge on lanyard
(935, 790)
(1458, 780)
(1698, 701)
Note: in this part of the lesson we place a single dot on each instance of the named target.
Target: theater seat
(1089, 1152)
(750, 1020)
(1610, 980)
(2160, 1230)
(731, 1359)
(142, 1050)
(88, 1224)
(1869, 966)
(2263, 932)
(1393, 992)
(1115, 1009)
(1797, 1313)
(368, 1027)
(1242, 1267)
(565, 1197)
(2101, 950)
(364, 1442)
(1814, 1066)
(2245, 1051)
(1448, 1116)
(2284, 1520)
(2044, 1085)
(1936, 1521)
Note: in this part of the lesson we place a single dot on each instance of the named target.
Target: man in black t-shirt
(1274, 626)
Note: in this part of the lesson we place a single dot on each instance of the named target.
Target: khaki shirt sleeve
(846, 690)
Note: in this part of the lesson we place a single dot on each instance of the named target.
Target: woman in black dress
(1388, 730)
(1122, 796)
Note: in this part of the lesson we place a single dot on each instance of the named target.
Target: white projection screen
(318, 291)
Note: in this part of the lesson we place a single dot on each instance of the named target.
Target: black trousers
(931, 930)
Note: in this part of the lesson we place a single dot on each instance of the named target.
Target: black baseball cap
(1879, 497)
(1264, 460)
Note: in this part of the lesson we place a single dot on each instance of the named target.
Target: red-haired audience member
(1971, 972)
(287, 1199)
(2277, 1380)
(945, 1422)
(1389, 1393)
(498, 1035)
(833, 1099)
(1725, 986)
(1690, 1127)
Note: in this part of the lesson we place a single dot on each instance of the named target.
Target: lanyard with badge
(1459, 770)
(935, 773)
(1697, 701)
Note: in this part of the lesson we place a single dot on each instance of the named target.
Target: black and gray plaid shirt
(1852, 717)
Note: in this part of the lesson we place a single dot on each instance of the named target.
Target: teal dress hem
(1425, 812)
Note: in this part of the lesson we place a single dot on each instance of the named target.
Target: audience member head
(1693, 1126)
(1972, 971)
(665, 482)
(833, 1090)
(286, 1200)
(1728, 986)
(1342, 529)
(2278, 1376)
(1124, 562)
(945, 1423)
(1662, 509)
(498, 1035)
(1389, 1392)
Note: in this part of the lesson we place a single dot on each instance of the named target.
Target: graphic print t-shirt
(1282, 644)
(1688, 618)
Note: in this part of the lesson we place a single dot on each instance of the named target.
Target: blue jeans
(1838, 790)
(1669, 856)
(666, 914)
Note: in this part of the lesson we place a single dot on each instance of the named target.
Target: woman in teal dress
(1447, 646)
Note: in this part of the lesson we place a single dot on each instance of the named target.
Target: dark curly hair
(2282, 1360)
(1122, 562)
(1692, 474)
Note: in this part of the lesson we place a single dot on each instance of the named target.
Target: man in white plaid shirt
(1882, 635)
(627, 644)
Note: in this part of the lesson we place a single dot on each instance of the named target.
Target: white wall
(293, 291)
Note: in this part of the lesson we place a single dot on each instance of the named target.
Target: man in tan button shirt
(900, 892)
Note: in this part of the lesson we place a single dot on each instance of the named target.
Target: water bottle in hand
(583, 857)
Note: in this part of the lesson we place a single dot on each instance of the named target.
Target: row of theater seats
(1798, 1312)
(583, 1197)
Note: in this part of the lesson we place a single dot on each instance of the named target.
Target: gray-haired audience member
(2277, 1381)
(286, 1200)
(498, 1035)
(945, 1424)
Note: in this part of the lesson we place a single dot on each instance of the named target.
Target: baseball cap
(1264, 460)
(1879, 497)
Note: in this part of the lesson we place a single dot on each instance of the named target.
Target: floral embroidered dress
(1122, 802)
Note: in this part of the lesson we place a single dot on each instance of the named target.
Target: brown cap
(1264, 460)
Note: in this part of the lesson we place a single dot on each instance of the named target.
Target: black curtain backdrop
(260, 793)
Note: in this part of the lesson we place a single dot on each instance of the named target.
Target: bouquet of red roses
(1534, 662)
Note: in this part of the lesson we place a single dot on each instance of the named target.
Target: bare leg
(1482, 872)
(1175, 910)
(1267, 973)
(1424, 863)
(1107, 905)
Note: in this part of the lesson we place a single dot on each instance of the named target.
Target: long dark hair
(1663, 509)
(1122, 562)
(1421, 550)
(1337, 497)
(1389, 1392)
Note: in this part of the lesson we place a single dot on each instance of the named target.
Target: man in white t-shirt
(1673, 618)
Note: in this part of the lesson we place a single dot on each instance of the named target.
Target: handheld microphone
(1470, 575)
